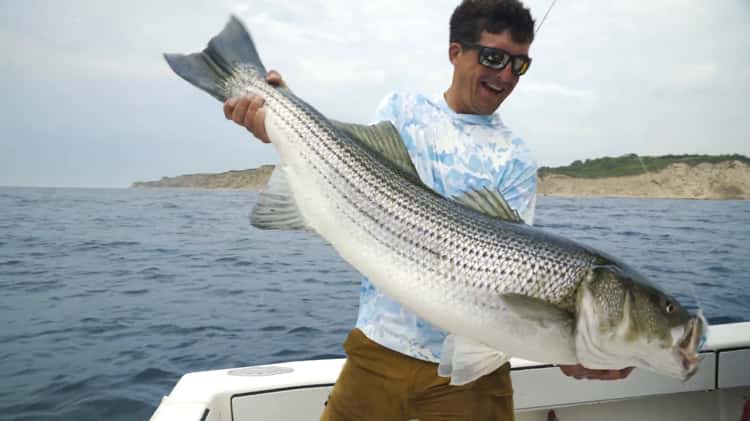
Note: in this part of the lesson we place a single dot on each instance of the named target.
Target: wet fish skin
(499, 283)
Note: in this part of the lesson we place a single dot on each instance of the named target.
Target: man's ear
(454, 50)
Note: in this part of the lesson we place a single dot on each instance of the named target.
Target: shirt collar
(477, 119)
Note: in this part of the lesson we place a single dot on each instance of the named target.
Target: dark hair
(472, 17)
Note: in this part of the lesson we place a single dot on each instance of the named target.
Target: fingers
(249, 120)
(580, 372)
(229, 107)
(274, 78)
(255, 119)
(608, 374)
(572, 370)
(247, 111)
(240, 109)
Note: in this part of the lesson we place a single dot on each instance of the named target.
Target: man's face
(478, 89)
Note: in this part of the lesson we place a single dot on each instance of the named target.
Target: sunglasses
(497, 59)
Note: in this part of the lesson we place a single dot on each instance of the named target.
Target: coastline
(727, 180)
(253, 179)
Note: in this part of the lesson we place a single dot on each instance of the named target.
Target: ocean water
(108, 296)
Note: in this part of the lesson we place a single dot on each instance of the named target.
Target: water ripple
(110, 295)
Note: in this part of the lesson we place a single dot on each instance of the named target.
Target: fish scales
(462, 270)
(451, 245)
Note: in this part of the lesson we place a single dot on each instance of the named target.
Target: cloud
(608, 78)
(551, 88)
(43, 61)
(696, 76)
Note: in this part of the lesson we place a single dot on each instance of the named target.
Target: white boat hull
(297, 390)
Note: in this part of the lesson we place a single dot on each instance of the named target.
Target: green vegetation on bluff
(633, 164)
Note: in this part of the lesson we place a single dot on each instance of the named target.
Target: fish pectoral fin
(489, 202)
(538, 311)
(384, 140)
(465, 360)
(276, 207)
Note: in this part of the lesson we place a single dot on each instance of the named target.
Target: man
(457, 142)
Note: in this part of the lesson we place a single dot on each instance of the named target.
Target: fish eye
(669, 308)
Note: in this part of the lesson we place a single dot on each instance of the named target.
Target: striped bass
(469, 265)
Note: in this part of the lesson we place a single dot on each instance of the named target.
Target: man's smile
(496, 89)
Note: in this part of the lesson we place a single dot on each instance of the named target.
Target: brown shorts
(377, 383)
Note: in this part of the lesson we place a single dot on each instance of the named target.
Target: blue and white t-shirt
(452, 153)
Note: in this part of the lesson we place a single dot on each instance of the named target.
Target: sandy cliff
(252, 179)
(724, 180)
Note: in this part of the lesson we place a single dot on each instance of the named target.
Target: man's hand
(580, 372)
(247, 111)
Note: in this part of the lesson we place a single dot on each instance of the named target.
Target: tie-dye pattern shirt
(452, 153)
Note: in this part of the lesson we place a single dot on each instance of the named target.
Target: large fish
(468, 265)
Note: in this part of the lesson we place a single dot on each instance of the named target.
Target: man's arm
(580, 372)
(248, 112)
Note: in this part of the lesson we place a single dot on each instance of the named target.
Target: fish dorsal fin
(489, 202)
(384, 140)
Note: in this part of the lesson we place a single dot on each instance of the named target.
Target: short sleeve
(388, 109)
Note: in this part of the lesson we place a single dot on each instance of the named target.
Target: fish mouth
(689, 345)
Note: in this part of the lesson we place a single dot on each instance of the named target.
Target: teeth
(498, 89)
(689, 361)
(692, 335)
(687, 347)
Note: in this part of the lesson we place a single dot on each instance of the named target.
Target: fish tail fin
(210, 69)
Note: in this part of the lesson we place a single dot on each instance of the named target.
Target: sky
(88, 101)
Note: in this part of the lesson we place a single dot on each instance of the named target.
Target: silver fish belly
(450, 264)
(469, 266)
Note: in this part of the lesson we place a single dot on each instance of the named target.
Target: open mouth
(495, 89)
(688, 346)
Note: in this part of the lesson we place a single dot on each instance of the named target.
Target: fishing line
(643, 165)
(695, 297)
(683, 252)
(544, 18)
